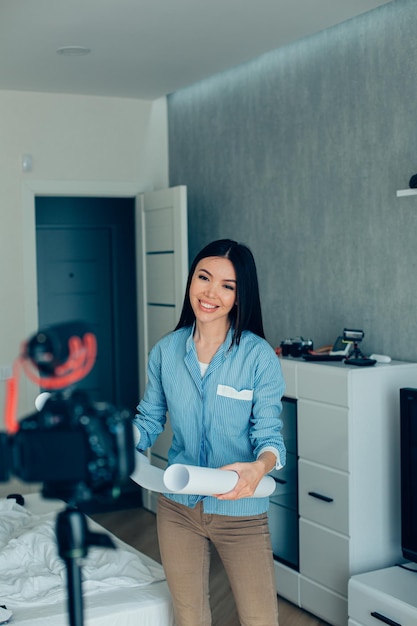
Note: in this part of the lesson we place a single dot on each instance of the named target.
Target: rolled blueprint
(206, 481)
(202, 480)
(147, 475)
(191, 479)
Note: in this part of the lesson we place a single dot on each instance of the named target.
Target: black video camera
(78, 449)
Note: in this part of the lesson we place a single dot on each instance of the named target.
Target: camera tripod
(74, 539)
(356, 357)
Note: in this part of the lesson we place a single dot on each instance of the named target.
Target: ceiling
(149, 48)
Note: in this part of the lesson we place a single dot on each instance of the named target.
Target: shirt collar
(225, 347)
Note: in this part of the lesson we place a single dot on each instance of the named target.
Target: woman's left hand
(250, 475)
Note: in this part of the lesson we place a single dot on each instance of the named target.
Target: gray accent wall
(299, 154)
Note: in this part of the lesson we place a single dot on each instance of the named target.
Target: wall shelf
(406, 192)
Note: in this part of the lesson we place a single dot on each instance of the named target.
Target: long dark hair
(246, 314)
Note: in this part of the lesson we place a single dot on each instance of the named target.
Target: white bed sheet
(122, 586)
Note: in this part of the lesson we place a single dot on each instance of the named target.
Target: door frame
(34, 188)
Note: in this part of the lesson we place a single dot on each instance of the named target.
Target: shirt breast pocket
(234, 409)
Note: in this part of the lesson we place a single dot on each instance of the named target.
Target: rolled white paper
(206, 481)
(191, 479)
(147, 475)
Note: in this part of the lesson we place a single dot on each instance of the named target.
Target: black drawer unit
(283, 509)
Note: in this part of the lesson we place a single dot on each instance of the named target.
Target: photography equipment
(356, 357)
(341, 347)
(296, 347)
(78, 449)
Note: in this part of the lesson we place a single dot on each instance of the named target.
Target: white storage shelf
(387, 596)
(348, 496)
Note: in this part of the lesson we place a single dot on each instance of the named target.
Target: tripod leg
(75, 598)
(74, 539)
(72, 536)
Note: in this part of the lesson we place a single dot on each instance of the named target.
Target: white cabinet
(387, 596)
(348, 478)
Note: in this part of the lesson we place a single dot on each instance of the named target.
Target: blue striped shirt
(228, 415)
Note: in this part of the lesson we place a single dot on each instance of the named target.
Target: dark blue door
(86, 270)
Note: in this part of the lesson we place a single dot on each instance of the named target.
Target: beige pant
(244, 546)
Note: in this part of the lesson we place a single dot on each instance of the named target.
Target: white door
(163, 265)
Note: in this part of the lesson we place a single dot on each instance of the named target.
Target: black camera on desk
(296, 347)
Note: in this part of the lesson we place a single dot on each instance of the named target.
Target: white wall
(76, 142)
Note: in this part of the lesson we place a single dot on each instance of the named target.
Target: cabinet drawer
(323, 434)
(283, 526)
(287, 582)
(324, 556)
(286, 479)
(328, 605)
(323, 496)
(323, 383)
(372, 612)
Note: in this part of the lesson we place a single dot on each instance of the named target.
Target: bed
(122, 586)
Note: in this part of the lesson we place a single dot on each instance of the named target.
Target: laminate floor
(137, 527)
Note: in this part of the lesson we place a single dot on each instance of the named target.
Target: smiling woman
(222, 385)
